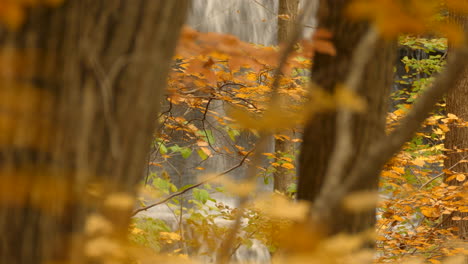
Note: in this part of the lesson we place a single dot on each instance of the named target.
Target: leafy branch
(173, 195)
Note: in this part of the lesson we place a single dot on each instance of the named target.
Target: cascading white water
(252, 21)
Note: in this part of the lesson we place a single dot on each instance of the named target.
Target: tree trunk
(79, 97)
(457, 137)
(319, 135)
(283, 177)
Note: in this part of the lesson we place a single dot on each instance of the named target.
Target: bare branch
(192, 187)
(229, 241)
(442, 173)
(384, 148)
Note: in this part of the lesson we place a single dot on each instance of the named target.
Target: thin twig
(264, 7)
(442, 173)
(228, 243)
(193, 186)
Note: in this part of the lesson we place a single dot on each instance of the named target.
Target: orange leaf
(430, 212)
(460, 177)
(284, 17)
(324, 46)
(288, 166)
(322, 34)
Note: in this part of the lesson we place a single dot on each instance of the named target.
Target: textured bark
(457, 137)
(79, 97)
(319, 134)
(285, 27)
(283, 177)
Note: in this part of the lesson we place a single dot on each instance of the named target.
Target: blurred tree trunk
(457, 137)
(284, 177)
(79, 96)
(319, 135)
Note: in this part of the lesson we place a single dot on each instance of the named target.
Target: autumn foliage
(222, 87)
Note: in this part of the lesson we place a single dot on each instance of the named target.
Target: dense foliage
(225, 97)
(413, 197)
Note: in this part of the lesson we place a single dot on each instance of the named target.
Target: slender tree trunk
(457, 137)
(284, 177)
(319, 134)
(79, 97)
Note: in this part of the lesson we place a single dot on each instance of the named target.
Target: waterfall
(253, 21)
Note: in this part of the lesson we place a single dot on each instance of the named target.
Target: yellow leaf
(418, 162)
(450, 178)
(350, 100)
(284, 17)
(169, 237)
(391, 174)
(399, 112)
(360, 201)
(96, 223)
(240, 188)
(103, 247)
(121, 201)
(444, 128)
(430, 212)
(460, 177)
(269, 154)
(399, 170)
(279, 206)
(452, 116)
(276, 118)
(206, 150)
(137, 231)
(288, 166)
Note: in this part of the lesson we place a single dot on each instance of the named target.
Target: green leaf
(202, 154)
(161, 185)
(201, 195)
(183, 188)
(185, 152)
(162, 149)
(175, 148)
(233, 134)
(292, 188)
(210, 137)
(220, 189)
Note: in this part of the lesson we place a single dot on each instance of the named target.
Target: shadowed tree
(319, 135)
(79, 96)
(456, 140)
